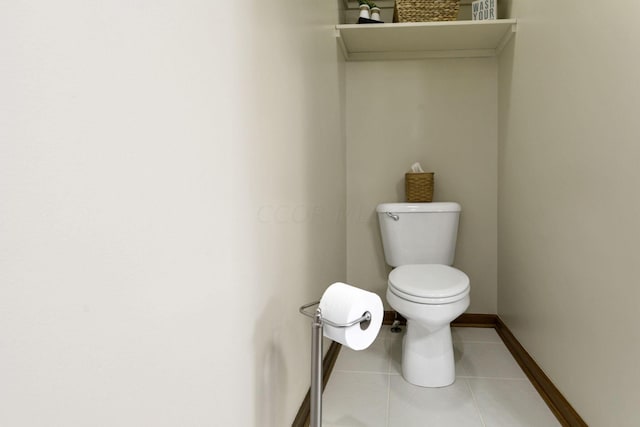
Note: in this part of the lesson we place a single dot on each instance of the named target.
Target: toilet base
(427, 356)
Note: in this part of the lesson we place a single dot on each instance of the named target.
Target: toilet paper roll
(342, 303)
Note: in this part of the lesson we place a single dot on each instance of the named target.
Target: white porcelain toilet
(419, 240)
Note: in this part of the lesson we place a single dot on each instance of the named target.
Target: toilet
(419, 241)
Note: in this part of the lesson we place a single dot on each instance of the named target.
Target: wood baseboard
(475, 320)
(558, 404)
(465, 319)
(303, 416)
(390, 316)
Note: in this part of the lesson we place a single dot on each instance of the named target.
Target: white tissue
(416, 168)
(342, 303)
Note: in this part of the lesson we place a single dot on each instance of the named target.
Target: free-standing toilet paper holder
(316, 355)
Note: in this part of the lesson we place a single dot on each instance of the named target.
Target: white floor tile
(457, 356)
(386, 334)
(395, 335)
(394, 344)
(488, 360)
(385, 331)
(510, 403)
(475, 335)
(356, 400)
(366, 388)
(373, 359)
(410, 405)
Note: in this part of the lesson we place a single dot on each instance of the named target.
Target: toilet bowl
(419, 240)
(429, 296)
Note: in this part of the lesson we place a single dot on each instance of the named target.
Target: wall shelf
(420, 40)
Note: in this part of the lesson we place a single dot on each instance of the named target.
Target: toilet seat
(429, 283)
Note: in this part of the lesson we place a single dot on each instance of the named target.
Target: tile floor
(366, 388)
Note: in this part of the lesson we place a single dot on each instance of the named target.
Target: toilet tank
(419, 233)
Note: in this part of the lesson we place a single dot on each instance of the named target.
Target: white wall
(442, 113)
(568, 200)
(172, 189)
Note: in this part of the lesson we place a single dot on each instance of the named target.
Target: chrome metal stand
(317, 332)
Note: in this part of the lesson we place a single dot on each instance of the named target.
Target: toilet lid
(419, 282)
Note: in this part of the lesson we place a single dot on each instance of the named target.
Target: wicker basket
(418, 186)
(425, 10)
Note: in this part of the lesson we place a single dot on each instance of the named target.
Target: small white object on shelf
(364, 11)
(375, 13)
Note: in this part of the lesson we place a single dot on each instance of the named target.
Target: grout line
(389, 351)
(475, 403)
(388, 415)
(361, 372)
(494, 378)
(388, 348)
